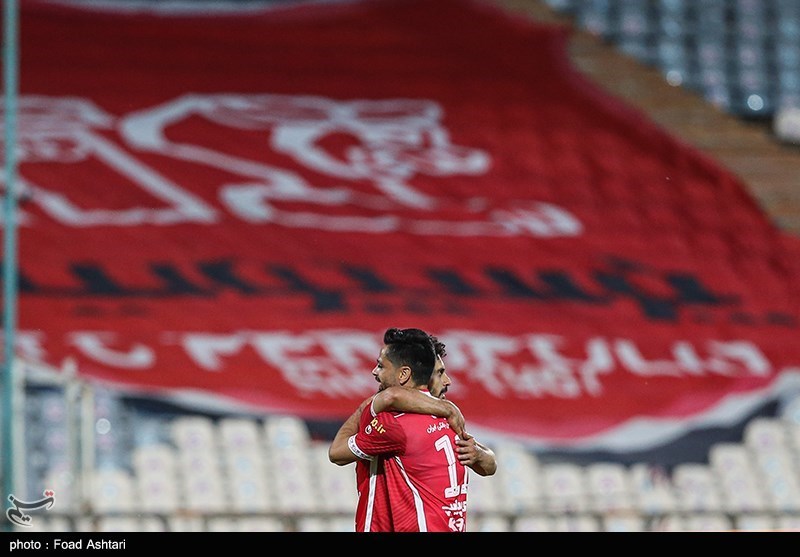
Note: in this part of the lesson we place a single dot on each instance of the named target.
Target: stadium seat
(652, 489)
(696, 488)
(766, 434)
(194, 433)
(157, 459)
(609, 487)
(780, 477)
(739, 483)
(157, 493)
(485, 495)
(295, 486)
(112, 490)
(245, 465)
(519, 478)
(250, 494)
(337, 484)
(564, 487)
(285, 431)
(240, 434)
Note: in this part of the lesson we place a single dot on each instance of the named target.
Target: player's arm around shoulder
(402, 399)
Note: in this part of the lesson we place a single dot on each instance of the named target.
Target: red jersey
(409, 478)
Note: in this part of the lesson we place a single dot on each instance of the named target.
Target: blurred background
(720, 79)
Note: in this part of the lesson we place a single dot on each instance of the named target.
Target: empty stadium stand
(186, 471)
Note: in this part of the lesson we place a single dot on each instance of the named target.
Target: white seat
(237, 434)
(201, 484)
(564, 487)
(696, 488)
(194, 433)
(484, 495)
(154, 460)
(293, 482)
(204, 493)
(727, 458)
(113, 489)
(779, 472)
(609, 487)
(282, 432)
(248, 480)
(157, 494)
(249, 495)
(337, 484)
(519, 478)
(652, 489)
(739, 483)
(766, 434)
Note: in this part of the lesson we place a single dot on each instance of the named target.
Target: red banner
(238, 206)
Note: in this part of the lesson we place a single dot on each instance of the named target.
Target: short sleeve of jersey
(378, 435)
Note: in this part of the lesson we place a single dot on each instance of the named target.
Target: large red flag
(236, 207)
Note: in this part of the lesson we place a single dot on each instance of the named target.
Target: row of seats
(245, 473)
(760, 474)
(238, 465)
(741, 55)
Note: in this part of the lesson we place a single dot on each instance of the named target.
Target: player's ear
(405, 375)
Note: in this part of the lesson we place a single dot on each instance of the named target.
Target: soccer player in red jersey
(410, 470)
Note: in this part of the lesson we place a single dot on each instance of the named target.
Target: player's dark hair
(438, 347)
(413, 348)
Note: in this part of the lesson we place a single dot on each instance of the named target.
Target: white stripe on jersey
(421, 520)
